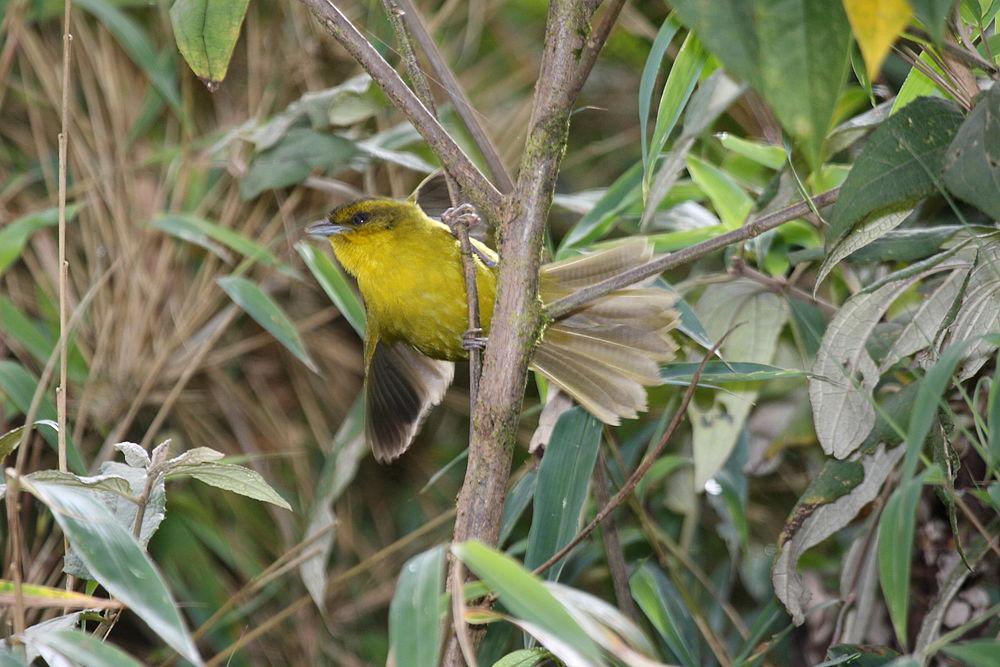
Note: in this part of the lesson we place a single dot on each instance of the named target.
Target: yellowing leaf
(876, 25)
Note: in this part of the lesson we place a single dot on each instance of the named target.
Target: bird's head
(365, 219)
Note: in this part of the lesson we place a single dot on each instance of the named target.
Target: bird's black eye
(360, 218)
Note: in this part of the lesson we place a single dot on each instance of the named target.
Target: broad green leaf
(895, 551)
(795, 53)
(677, 91)
(84, 649)
(972, 162)
(831, 501)
(12, 438)
(19, 386)
(933, 14)
(231, 477)
(648, 80)
(335, 284)
(293, 159)
(418, 610)
(876, 25)
(36, 596)
(525, 596)
(725, 371)
(526, 657)
(770, 156)
(139, 47)
(14, 235)
(115, 559)
(977, 653)
(563, 478)
(600, 219)
(209, 235)
(206, 34)
(663, 606)
(267, 313)
(760, 316)
(730, 201)
(104, 482)
(900, 163)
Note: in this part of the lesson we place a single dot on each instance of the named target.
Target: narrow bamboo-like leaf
(267, 313)
(418, 610)
(717, 372)
(730, 201)
(38, 339)
(335, 284)
(677, 91)
(977, 653)
(993, 419)
(14, 235)
(770, 156)
(648, 80)
(209, 235)
(231, 477)
(563, 479)
(138, 45)
(900, 163)
(116, 560)
(525, 596)
(917, 84)
(600, 219)
(84, 649)
(661, 603)
(895, 551)
(526, 657)
(12, 438)
(47, 597)
(206, 34)
(876, 25)
(516, 502)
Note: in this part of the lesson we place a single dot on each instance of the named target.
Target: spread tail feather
(607, 351)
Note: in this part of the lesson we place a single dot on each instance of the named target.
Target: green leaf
(12, 438)
(526, 597)
(895, 551)
(730, 201)
(563, 478)
(139, 47)
(662, 605)
(335, 284)
(115, 559)
(294, 158)
(206, 34)
(84, 649)
(648, 80)
(418, 610)
(267, 313)
(795, 53)
(721, 372)
(917, 84)
(37, 339)
(46, 597)
(515, 503)
(14, 236)
(933, 14)
(231, 477)
(993, 419)
(19, 386)
(209, 235)
(876, 25)
(977, 653)
(8, 659)
(601, 219)
(972, 162)
(899, 164)
(770, 156)
(526, 657)
(677, 91)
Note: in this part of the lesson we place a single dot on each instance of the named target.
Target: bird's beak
(322, 229)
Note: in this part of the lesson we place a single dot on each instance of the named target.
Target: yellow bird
(408, 268)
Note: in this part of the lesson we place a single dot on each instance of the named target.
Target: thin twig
(672, 260)
(612, 545)
(640, 472)
(476, 187)
(418, 29)
(596, 41)
(16, 565)
(63, 264)
(780, 286)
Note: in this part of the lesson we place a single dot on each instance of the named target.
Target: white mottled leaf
(859, 237)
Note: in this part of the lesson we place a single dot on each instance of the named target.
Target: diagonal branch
(415, 24)
(672, 260)
(476, 187)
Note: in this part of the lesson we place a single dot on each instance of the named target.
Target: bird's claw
(463, 214)
(472, 340)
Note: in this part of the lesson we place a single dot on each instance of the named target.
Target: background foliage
(832, 496)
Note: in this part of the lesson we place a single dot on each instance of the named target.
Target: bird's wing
(401, 387)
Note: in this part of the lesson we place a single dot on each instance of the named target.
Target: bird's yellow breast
(411, 279)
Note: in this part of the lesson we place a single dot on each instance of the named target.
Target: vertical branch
(16, 566)
(612, 545)
(63, 264)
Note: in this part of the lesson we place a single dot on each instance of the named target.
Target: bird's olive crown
(370, 214)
